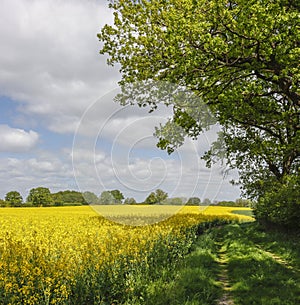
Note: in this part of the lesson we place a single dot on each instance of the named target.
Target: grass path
(279, 259)
(250, 266)
(233, 265)
(262, 267)
(226, 298)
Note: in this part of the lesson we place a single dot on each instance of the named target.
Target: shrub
(280, 205)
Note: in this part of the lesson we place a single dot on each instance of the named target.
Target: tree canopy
(241, 58)
(118, 196)
(14, 198)
(130, 200)
(90, 197)
(194, 201)
(106, 197)
(40, 196)
(156, 197)
(68, 196)
(111, 197)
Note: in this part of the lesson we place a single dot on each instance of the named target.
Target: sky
(59, 124)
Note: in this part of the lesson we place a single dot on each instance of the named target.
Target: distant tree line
(42, 197)
(237, 203)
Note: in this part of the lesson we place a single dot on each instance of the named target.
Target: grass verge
(194, 282)
(262, 267)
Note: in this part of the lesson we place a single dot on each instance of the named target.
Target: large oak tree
(242, 59)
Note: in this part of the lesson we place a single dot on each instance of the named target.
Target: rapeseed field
(73, 255)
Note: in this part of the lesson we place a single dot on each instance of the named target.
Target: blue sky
(59, 126)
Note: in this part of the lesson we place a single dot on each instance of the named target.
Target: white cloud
(181, 175)
(50, 58)
(97, 170)
(50, 65)
(127, 126)
(42, 166)
(16, 140)
(86, 155)
(22, 174)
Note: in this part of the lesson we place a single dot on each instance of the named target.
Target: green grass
(243, 212)
(262, 267)
(193, 282)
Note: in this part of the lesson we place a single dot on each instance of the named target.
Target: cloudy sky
(59, 125)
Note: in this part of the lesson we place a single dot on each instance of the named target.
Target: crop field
(72, 255)
(149, 214)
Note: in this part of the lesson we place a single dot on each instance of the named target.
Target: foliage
(174, 201)
(68, 196)
(118, 196)
(156, 197)
(111, 197)
(3, 203)
(239, 58)
(40, 196)
(57, 199)
(106, 197)
(281, 204)
(238, 203)
(90, 197)
(206, 201)
(130, 201)
(14, 199)
(151, 199)
(226, 203)
(160, 195)
(194, 201)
